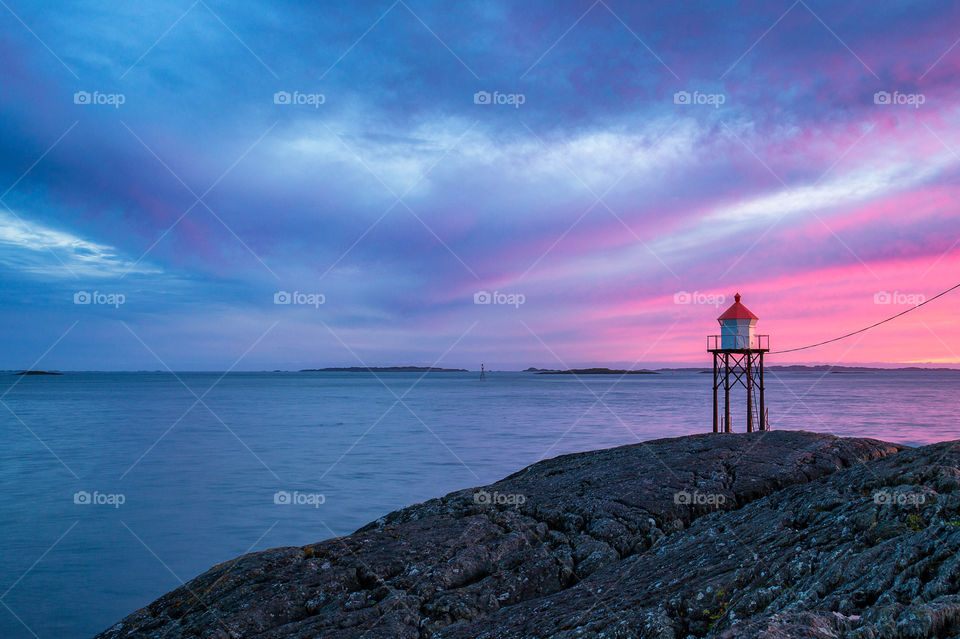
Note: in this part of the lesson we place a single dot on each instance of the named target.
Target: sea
(116, 488)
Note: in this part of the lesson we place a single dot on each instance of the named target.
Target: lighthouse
(737, 326)
(738, 360)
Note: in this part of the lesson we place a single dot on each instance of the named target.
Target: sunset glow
(805, 155)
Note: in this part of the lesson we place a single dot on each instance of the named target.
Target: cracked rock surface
(777, 534)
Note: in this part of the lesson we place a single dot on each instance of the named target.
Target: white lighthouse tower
(738, 360)
(737, 326)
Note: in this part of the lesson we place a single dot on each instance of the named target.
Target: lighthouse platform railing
(738, 343)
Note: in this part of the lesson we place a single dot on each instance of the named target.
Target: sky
(279, 185)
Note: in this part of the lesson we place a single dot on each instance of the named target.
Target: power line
(867, 328)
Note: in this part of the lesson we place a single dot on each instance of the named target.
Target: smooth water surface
(198, 459)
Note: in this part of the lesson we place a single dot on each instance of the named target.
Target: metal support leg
(716, 415)
(763, 409)
(749, 385)
(726, 392)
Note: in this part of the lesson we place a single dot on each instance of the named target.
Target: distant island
(595, 371)
(38, 373)
(820, 368)
(384, 369)
(847, 370)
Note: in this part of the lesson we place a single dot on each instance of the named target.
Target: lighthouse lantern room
(738, 360)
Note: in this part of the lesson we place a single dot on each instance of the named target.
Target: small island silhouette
(594, 371)
(384, 369)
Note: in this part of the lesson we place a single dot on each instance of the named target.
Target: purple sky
(597, 166)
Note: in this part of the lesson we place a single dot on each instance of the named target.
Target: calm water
(198, 480)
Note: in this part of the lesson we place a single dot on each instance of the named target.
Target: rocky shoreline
(776, 534)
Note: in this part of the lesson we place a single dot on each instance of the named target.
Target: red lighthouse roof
(737, 311)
